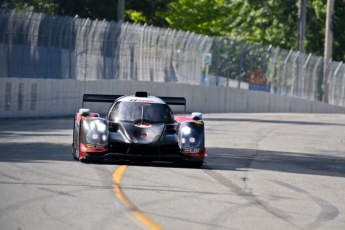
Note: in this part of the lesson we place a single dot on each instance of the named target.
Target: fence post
(274, 69)
(326, 82)
(228, 62)
(217, 60)
(9, 49)
(295, 74)
(314, 77)
(70, 46)
(303, 76)
(27, 22)
(335, 73)
(240, 67)
(48, 46)
(284, 72)
(62, 27)
(342, 90)
(263, 64)
(251, 62)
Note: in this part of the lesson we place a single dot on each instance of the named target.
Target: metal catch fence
(35, 45)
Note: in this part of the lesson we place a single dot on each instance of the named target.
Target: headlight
(186, 130)
(191, 136)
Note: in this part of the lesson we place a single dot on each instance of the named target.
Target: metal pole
(328, 45)
(120, 10)
(301, 36)
(301, 24)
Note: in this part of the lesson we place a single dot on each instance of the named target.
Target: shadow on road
(300, 163)
(217, 159)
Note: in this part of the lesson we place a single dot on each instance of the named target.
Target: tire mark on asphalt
(328, 211)
(249, 196)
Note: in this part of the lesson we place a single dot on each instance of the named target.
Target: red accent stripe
(96, 150)
(79, 116)
(202, 153)
(183, 118)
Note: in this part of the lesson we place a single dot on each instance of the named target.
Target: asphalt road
(263, 171)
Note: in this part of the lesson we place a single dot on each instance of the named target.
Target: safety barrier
(24, 97)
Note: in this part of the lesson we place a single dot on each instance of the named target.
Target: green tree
(209, 17)
(315, 31)
(43, 6)
(143, 11)
(147, 11)
(269, 22)
(264, 22)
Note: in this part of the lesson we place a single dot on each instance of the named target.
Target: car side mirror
(196, 116)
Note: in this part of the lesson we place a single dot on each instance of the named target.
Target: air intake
(141, 94)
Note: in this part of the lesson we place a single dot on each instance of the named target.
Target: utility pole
(301, 24)
(302, 11)
(328, 47)
(120, 10)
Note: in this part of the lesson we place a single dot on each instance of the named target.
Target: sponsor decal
(95, 146)
(191, 150)
(142, 100)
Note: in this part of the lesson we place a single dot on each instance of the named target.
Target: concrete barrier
(27, 97)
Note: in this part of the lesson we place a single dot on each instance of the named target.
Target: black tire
(196, 164)
(83, 160)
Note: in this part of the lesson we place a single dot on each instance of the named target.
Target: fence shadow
(233, 159)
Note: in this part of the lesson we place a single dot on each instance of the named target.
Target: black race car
(138, 128)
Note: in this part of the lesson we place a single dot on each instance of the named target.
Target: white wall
(64, 97)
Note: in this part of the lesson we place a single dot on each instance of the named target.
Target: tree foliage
(209, 17)
(147, 11)
(266, 22)
(44, 6)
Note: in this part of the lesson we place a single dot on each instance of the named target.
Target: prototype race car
(139, 128)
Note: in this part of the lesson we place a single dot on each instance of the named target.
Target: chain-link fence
(34, 45)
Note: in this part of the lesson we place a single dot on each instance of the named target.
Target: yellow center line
(126, 202)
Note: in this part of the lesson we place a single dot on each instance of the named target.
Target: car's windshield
(133, 111)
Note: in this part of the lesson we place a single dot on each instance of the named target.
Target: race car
(139, 128)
